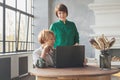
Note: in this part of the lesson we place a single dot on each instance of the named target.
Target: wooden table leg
(45, 78)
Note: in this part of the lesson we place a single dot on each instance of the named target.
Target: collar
(63, 22)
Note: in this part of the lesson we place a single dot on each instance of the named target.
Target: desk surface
(72, 72)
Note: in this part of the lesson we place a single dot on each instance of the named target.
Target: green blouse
(65, 33)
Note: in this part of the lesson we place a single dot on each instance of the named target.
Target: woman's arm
(41, 63)
(38, 61)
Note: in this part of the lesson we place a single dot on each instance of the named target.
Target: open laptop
(69, 56)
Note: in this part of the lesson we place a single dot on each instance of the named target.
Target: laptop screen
(69, 56)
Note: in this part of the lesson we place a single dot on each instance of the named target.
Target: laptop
(69, 56)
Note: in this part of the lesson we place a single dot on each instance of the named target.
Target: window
(10, 3)
(16, 34)
(1, 29)
(1, 0)
(10, 30)
(29, 6)
(23, 3)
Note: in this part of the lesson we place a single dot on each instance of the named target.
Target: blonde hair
(44, 35)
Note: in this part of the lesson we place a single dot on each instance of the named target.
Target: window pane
(32, 7)
(30, 46)
(29, 6)
(21, 4)
(10, 30)
(10, 2)
(1, 0)
(22, 32)
(1, 29)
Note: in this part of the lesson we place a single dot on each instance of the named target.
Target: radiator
(23, 65)
(5, 68)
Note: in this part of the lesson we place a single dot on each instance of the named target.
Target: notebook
(69, 56)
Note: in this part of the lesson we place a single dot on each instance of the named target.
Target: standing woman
(64, 30)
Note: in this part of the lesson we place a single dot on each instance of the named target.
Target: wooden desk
(86, 73)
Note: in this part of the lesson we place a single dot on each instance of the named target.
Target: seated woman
(43, 56)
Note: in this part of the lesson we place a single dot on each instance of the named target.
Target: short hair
(61, 7)
(44, 35)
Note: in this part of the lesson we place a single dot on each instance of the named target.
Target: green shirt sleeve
(40, 63)
(76, 35)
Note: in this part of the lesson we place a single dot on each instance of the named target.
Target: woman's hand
(85, 61)
(45, 51)
(76, 44)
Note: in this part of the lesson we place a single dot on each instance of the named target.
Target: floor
(29, 77)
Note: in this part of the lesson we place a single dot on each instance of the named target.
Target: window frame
(16, 42)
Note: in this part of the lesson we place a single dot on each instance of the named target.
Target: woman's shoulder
(55, 23)
(38, 50)
(71, 22)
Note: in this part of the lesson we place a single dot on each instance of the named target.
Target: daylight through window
(16, 26)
